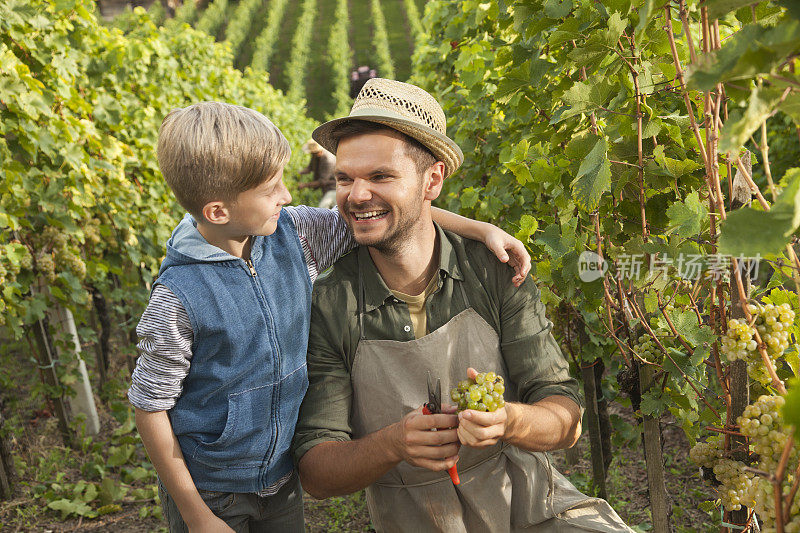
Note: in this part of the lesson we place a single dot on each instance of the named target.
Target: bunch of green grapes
(772, 323)
(763, 423)
(484, 393)
(707, 454)
(57, 252)
(647, 348)
(735, 489)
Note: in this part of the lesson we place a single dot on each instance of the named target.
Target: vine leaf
(791, 409)
(753, 51)
(717, 8)
(594, 177)
(687, 218)
(528, 226)
(750, 232)
(583, 97)
(735, 133)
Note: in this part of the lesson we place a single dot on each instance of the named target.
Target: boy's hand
(509, 249)
(416, 444)
(211, 524)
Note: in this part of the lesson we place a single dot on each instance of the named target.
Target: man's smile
(370, 215)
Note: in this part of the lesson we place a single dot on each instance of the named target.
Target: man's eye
(343, 179)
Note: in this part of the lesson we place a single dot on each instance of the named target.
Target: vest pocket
(248, 432)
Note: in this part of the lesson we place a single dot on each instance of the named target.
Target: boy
(223, 340)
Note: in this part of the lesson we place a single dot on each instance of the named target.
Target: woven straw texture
(403, 107)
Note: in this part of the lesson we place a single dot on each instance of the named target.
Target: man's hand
(477, 429)
(415, 443)
(509, 249)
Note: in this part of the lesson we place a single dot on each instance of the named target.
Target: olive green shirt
(531, 355)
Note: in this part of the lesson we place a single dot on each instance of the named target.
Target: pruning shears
(433, 407)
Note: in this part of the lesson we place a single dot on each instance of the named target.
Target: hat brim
(442, 147)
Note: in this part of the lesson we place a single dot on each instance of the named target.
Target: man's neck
(411, 267)
(236, 246)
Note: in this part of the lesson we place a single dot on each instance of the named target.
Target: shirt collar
(376, 293)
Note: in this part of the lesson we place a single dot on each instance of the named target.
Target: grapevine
(239, 25)
(265, 42)
(340, 58)
(381, 42)
(295, 74)
(213, 17)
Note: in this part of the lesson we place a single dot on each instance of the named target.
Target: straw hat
(403, 107)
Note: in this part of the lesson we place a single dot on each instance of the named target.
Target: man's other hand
(478, 429)
(509, 249)
(416, 443)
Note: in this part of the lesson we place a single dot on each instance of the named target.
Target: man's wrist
(511, 423)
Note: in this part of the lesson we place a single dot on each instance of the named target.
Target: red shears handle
(453, 470)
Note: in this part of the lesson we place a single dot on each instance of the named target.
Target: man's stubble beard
(398, 237)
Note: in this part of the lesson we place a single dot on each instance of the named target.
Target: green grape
(484, 393)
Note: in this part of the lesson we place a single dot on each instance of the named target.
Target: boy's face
(256, 211)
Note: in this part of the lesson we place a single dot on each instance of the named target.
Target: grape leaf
(751, 232)
(594, 177)
(687, 218)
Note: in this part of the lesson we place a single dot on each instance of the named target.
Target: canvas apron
(502, 488)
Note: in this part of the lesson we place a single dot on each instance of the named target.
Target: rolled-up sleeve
(533, 358)
(325, 412)
(165, 351)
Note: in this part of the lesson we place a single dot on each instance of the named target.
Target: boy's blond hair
(213, 151)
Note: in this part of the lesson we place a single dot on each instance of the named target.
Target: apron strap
(360, 299)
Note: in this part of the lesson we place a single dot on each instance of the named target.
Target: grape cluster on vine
(772, 323)
(762, 422)
(484, 393)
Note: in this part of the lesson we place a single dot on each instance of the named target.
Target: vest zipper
(251, 267)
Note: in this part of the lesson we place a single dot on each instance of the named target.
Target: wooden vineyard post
(83, 401)
(46, 361)
(739, 387)
(659, 504)
(6, 464)
(591, 417)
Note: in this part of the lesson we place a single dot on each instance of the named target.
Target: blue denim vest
(236, 415)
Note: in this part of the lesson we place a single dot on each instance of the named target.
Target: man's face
(379, 192)
(256, 210)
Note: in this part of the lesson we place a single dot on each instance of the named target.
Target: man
(414, 299)
(321, 169)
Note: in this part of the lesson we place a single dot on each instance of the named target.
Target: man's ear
(216, 212)
(434, 181)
